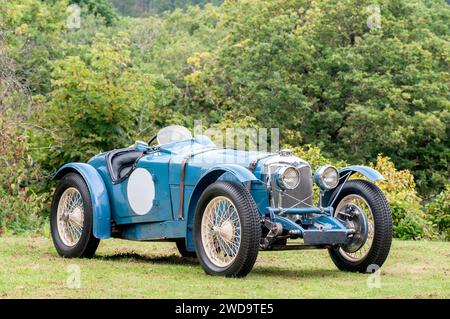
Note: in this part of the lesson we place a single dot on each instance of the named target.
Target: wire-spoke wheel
(227, 230)
(362, 206)
(71, 218)
(348, 205)
(221, 231)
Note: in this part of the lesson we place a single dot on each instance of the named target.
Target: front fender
(242, 174)
(101, 223)
(344, 173)
(370, 173)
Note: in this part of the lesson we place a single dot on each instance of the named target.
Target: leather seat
(121, 163)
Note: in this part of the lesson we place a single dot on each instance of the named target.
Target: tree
(320, 73)
(99, 8)
(95, 104)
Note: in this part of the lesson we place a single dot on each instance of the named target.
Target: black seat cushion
(121, 163)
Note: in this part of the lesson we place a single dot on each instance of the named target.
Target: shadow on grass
(258, 271)
(135, 257)
(295, 273)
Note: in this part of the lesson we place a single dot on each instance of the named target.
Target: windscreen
(174, 133)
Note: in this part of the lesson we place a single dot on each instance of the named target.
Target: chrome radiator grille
(301, 196)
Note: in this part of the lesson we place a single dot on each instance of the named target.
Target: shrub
(314, 156)
(438, 212)
(23, 199)
(400, 191)
(99, 102)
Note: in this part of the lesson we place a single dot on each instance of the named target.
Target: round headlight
(288, 177)
(326, 177)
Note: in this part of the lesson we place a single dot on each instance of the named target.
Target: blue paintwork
(151, 231)
(370, 173)
(241, 173)
(205, 165)
(99, 196)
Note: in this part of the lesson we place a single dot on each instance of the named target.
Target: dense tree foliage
(314, 69)
(99, 8)
(139, 8)
(342, 83)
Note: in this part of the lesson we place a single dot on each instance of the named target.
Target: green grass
(30, 268)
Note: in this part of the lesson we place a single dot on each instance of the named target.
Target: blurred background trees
(339, 88)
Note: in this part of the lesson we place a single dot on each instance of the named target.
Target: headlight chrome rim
(319, 177)
(281, 174)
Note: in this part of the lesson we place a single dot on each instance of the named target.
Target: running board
(295, 247)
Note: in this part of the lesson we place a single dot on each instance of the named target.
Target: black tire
(181, 245)
(382, 218)
(250, 229)
(87, 244)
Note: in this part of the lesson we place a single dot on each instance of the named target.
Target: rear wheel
(362, 206)
(71, 218)
(227, 230)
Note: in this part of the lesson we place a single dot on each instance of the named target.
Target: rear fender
(99, 196)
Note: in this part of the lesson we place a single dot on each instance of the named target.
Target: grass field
(30, 268)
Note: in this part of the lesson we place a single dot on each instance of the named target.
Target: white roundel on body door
(141, 191)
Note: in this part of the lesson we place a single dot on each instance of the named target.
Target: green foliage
(98, 102)
(23, 199)
(399, 187)
(438, 211)
(140, 8)
(315, 69)
(164, 46)
(314, 156)
(31, 30)
(99, 8)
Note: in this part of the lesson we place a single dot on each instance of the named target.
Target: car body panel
(369, 172)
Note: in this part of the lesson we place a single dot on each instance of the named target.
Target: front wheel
(362, 206)
(227, 231)
(71, 218)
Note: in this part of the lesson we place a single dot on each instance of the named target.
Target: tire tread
(383, 227)
(248, 251)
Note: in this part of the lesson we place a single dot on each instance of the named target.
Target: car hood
(209, 154)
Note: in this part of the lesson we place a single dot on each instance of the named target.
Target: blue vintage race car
(220, 205)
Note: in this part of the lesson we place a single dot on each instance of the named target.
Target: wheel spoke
(362, 204)
(221, 231)
(70, 216)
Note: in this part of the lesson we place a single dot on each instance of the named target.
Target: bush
(24, 200)
(99, 102)
(100, 8)
(400, 191)
(22, 197)
(438, 212)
